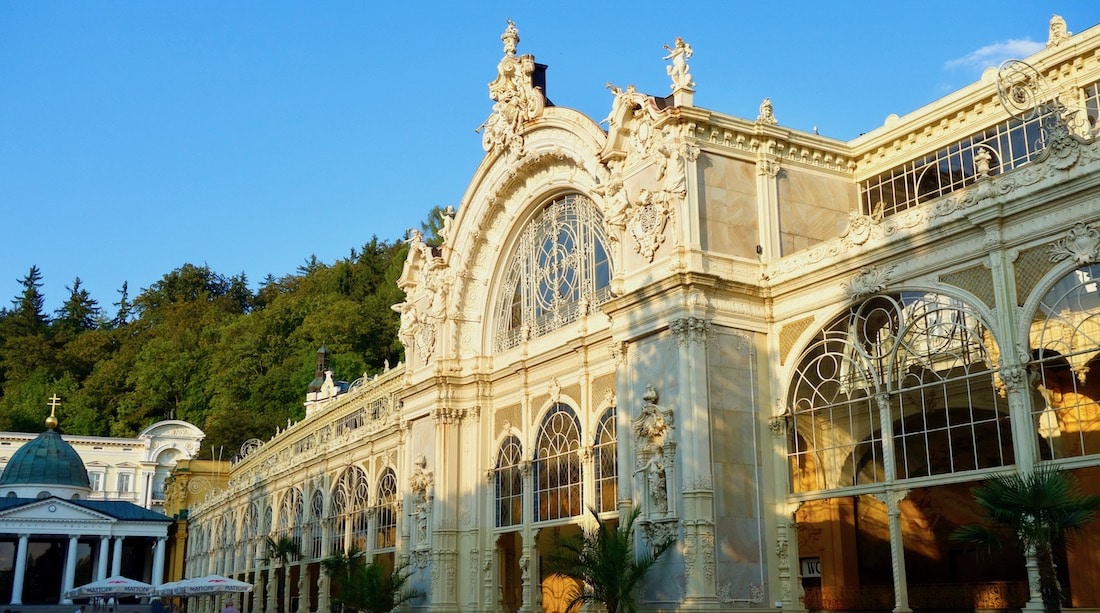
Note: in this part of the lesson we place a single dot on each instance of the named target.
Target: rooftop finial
(51, 421)
(510, 38)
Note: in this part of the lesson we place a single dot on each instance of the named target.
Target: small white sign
(811, 567)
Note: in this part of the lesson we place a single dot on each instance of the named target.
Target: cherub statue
(680, 52)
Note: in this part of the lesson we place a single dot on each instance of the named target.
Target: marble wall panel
(728, 206)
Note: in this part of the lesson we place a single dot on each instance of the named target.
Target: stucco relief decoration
(516, 99)
(767, 113)
(861, 228)
(868, 281)
(616, 202)
(249, 446)
(691, 330)
(655, 454)
(1058, 32)
(679, 53)
(1081, 244)
(421, 483)
(647, 224)
(426, 287)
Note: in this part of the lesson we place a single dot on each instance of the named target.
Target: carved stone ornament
(1058, 32)
(516, 99)
(679, 53)
(1082, 244)
(425, 281)
(767, 114)
(657, 532)
(655, 453)
(691, 330)
(647, 224)
(868, 281)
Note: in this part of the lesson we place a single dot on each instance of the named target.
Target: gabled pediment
(49, 510)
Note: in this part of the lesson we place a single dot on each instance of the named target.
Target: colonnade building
(62, 526)
(795, 355)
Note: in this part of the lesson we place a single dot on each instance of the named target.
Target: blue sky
(136, 137)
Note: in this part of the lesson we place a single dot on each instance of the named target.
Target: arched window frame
(508, 482)
(557, 466)
(385, 511)
(605, 462)
(559, 268)
(929, 355)
(1063, 337)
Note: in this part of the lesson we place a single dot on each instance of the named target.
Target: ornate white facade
(129, 469)
(794, 354)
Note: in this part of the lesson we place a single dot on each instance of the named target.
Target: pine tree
(125, 307)
(27, 318)
(80, 311)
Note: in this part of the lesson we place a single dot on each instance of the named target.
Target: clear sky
(139, 136)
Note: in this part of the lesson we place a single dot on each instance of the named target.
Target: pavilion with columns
(52, 537)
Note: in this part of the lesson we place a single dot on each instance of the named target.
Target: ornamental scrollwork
(647, 223)
(867, 281)
(516, 99)
(1082, 244)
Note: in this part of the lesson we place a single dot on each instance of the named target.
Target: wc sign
(811, 567)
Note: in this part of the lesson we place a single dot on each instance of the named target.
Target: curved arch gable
(561, 154)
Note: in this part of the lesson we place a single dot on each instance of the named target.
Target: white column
(158, 562)
(116, 559)
(70, 568)
(104, 553)
(20, 570)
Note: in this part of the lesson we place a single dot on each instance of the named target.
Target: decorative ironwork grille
(1065, 346)
(386, 511)
(558, 465)
(931, 359)
(1010, 144)
(606, 463)
(509, 484)
(560, 268)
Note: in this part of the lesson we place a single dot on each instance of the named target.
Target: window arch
(558, 270)
(604, 451)
(509, 484)
(932, 360)
(1064, 339)
(386, 511)
(558, 465)
(348, 516)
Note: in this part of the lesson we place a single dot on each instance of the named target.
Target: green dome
(47, 460)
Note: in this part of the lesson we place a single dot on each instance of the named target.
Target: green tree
(281, 551)
(603, 562)
(125, 307)
(1031, 512)
(367, 586)
(79, 312)
(26, 317)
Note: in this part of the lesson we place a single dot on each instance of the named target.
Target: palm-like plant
(604, 563)
(1032, 512)
(282, 551)
(366, 586)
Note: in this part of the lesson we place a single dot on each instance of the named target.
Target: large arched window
(558, 465)
(606, 463)
(509, 484)
(386, 511)
(559, 269)
(1065, 349)
(290, 516)
(927, 358)
(349, 509)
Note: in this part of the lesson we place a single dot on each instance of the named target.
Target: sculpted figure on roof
(516, 98)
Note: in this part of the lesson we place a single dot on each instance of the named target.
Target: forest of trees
(198, 346)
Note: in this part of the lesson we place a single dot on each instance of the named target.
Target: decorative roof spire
(51, 421)
(510, 38)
